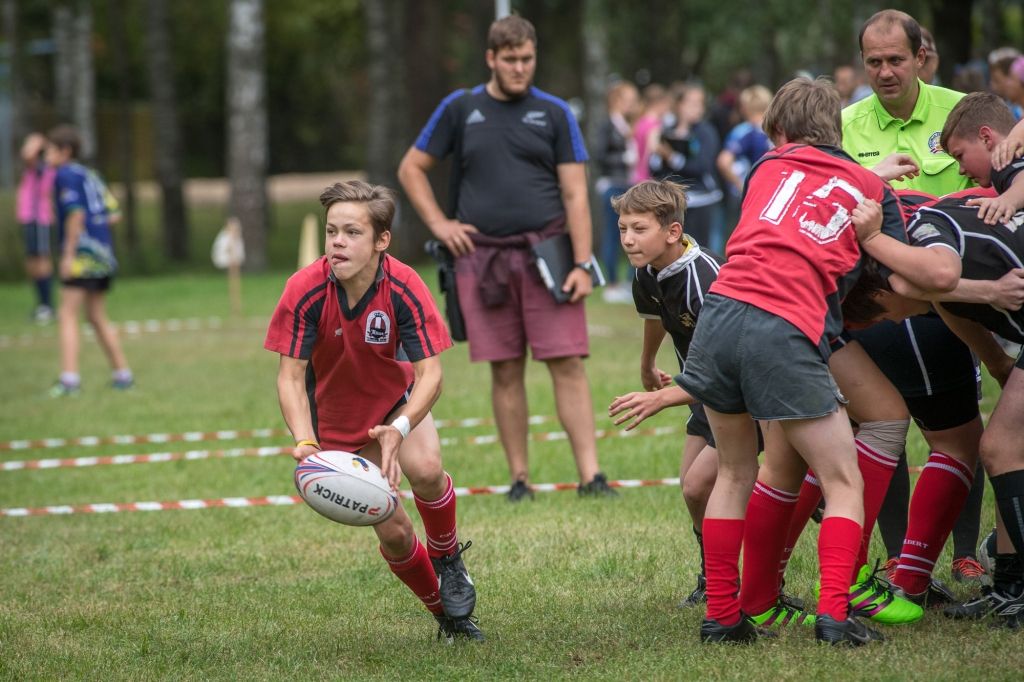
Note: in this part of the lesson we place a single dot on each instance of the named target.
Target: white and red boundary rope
(207, 436)
(270, 451)
(284, 500)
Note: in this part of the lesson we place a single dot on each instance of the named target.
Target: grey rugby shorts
(744, 359)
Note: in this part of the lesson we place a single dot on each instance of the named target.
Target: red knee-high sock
(934, 508)
(837, 550)
(722, 541)
(764, 537)
(806, 503)
(439, 521)
(876, 468)
(416, 571)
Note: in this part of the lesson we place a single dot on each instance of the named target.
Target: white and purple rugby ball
(345, 488)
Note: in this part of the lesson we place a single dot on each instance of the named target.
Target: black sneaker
(850, 632)
(450, 629)
(973, 609)
(742, 632)
(598, 487)
(518, 491)
(458, 595)
(1006, 603)
(936, 596)
(699, 594)
(790, 600)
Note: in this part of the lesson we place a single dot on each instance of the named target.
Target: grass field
(568, 588)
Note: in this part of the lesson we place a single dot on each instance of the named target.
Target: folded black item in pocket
(446, 281)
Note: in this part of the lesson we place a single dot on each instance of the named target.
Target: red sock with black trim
(722, 541)
(764, 537)
(439, 521)
(876, 468)
(806, 502)
(837, 550)
(938, 498)
(416, 571)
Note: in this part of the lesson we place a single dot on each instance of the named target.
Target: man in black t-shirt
(985, 232)
(518, 177)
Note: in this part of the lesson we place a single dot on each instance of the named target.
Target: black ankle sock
(1009, 490)
(965, 532)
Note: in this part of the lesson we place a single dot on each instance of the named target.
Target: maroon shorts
(529, 315)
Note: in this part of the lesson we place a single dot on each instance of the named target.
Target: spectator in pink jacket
(35, 214)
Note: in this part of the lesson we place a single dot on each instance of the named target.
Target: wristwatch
(586, 266)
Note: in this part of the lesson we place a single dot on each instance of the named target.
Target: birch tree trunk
(247, 127)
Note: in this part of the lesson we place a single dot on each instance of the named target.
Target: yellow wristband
(308, 442)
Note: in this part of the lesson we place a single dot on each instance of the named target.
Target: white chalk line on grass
(139, 327)
(191, 455)
(203, 436)
(284, 500)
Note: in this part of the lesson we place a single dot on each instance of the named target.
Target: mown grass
(568, 588)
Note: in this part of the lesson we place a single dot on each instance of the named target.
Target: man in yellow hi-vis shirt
(904, 114)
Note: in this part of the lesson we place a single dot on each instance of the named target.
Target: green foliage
(569, 588)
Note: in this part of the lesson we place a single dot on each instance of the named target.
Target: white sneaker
(43, 314)
(617, 294)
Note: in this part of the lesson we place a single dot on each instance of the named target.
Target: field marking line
(270, 451)
(133, 328)
(285, 500)
(205, 436)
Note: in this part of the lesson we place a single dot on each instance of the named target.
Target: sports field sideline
(568, 587)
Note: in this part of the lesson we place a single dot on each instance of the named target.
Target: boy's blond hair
(666, 200)
(973, 111)
(755, 100)
(807, 111)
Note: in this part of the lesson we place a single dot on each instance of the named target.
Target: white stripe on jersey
(917, 354)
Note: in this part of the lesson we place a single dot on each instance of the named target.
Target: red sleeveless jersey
(359, 359)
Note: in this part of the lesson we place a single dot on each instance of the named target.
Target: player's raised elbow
(944, 275)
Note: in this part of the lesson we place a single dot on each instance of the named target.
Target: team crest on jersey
(687, 320)
(378, 327)
(933, 143)
(925, 231)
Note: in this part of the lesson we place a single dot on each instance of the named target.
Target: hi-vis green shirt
(870, 134)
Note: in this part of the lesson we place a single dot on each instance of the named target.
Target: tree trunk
(125, 128)
(10, 97)
(595, 66)
(84, 98)
(953, 40)
(166, 132)
(389, 133)
(247, 128)
(63, 62)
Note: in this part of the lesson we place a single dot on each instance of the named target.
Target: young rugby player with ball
(360, 340)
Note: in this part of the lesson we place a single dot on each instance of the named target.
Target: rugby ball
(345, 488)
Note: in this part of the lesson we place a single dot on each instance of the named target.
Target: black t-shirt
(508, 156)
(987, 251)
(675, 295)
